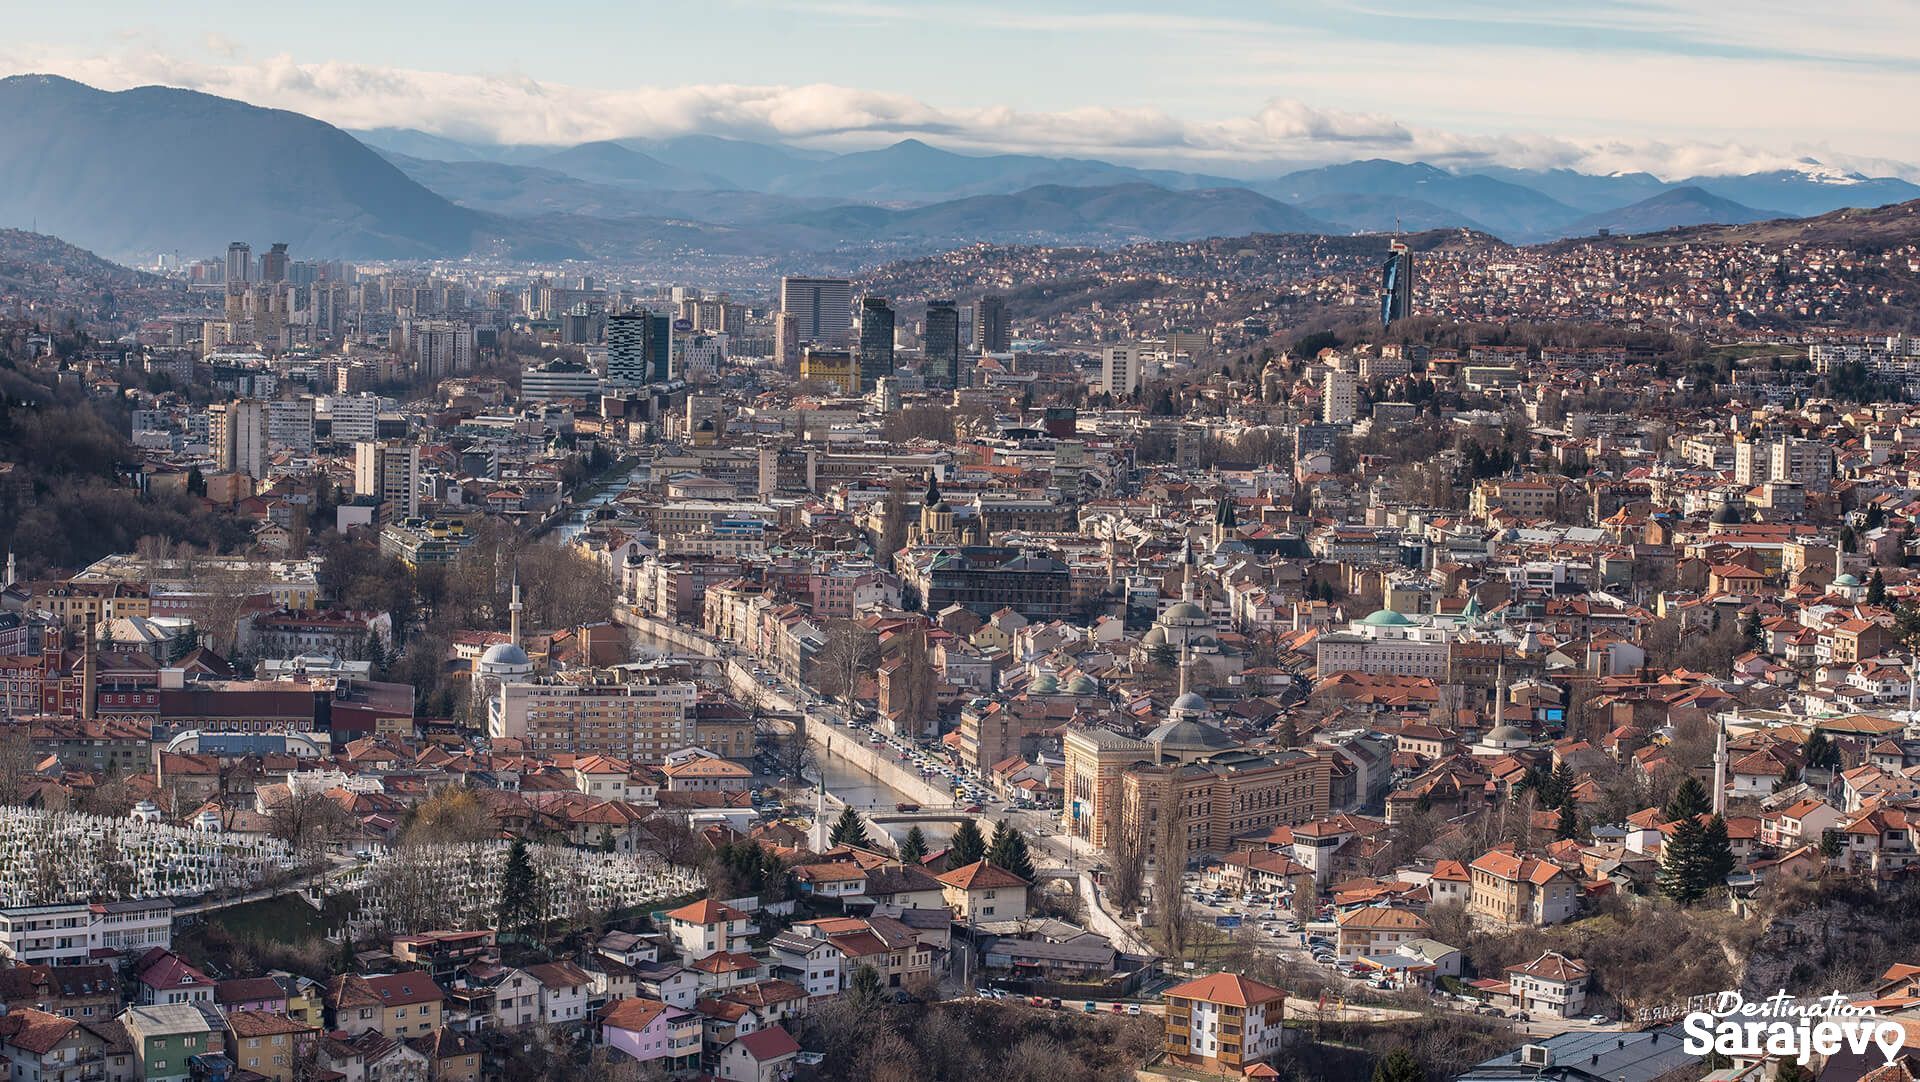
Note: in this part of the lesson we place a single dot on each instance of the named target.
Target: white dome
(504, 654)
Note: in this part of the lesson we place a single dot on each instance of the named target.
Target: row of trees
(1007, 848)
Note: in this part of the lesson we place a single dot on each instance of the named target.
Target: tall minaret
(1720, 770)
(11, 578)
(1186, 575)
(513, 612)
(1500, 691)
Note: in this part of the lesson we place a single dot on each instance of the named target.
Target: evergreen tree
(1399, 1066)
(1535, 781)
(914, 848)
(1821, 753)
(1689, 799)
(1683, 872)
(1009, 851)
(1716, 854)
(849, 830)
(519, 890)
(1561, 786)
(1877, 589)
(967, 846)
(865, 990)
(1568, 825)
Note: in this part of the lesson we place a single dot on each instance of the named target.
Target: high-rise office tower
(876, 340)
(273, 264)
(943, 342)
(822, 309)
(1396, 285)
(239, 262)
(991, 331)
(391, 473)
(639, 348)
(237, 431)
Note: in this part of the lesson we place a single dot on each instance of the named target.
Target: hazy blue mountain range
(155, 170)
(152, 170)
(1672, 208)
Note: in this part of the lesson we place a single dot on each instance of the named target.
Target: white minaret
(1720, 770)
(1500, 692)
(10, 571)
(513, 612)
(820, 834)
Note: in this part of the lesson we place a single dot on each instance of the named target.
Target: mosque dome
(504, 654)
(1506, 736)
(1185, 610)
(1187, 735)
(1386, 618)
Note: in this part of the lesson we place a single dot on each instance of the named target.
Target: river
(863, 790)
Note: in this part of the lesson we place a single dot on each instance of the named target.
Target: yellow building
(1095, 759)
(834, 366)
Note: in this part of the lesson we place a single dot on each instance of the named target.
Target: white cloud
(513, 108)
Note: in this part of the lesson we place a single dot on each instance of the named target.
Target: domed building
(1187, 631)
(503, 662)
(1188, 734)
(1387, 642)
(1850, 587)
(1502, 739)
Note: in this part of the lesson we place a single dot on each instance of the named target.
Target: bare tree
(1129, 870)
(221, 593)
(850, 655)
(307, 822)
(914, 684)
(1173, 916)
(453, 816)
(17, 759)
(782, 742)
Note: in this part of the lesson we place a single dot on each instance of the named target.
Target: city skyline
(1671, 87)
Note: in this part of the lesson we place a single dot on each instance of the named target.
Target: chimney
(87, 675)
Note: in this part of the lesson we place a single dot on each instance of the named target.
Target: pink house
(262, 994)
(650, 1031)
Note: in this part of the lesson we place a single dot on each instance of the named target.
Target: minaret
(1720, 770)
(1183, 670)
(11, 577)
(1186, 575)
(1500, 692)
(513, 612)
(820, 834)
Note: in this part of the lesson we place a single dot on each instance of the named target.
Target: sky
(1674, 87)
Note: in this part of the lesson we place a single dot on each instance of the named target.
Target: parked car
(1598, 1020)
